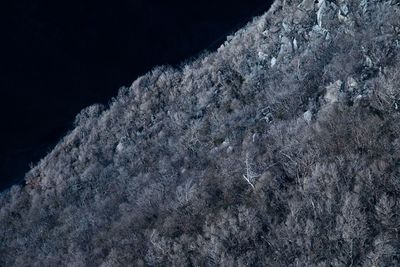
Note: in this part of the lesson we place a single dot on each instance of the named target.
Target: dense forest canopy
(281, 148)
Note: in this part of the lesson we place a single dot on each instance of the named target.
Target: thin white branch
(248, 180)
(250, 174)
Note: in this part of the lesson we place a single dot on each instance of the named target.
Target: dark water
(61, 56)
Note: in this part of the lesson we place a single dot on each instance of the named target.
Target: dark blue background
(58, 57)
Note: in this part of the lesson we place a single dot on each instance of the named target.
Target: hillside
(281, 148)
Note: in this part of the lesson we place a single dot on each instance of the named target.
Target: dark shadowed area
(59, 57)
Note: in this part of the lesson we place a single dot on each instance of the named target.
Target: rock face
(279, 149)
(332, 92)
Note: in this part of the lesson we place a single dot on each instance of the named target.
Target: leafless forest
(282, 148)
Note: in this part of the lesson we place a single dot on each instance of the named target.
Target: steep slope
(280, 149)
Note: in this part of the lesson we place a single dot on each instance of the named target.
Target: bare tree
(250, 175)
